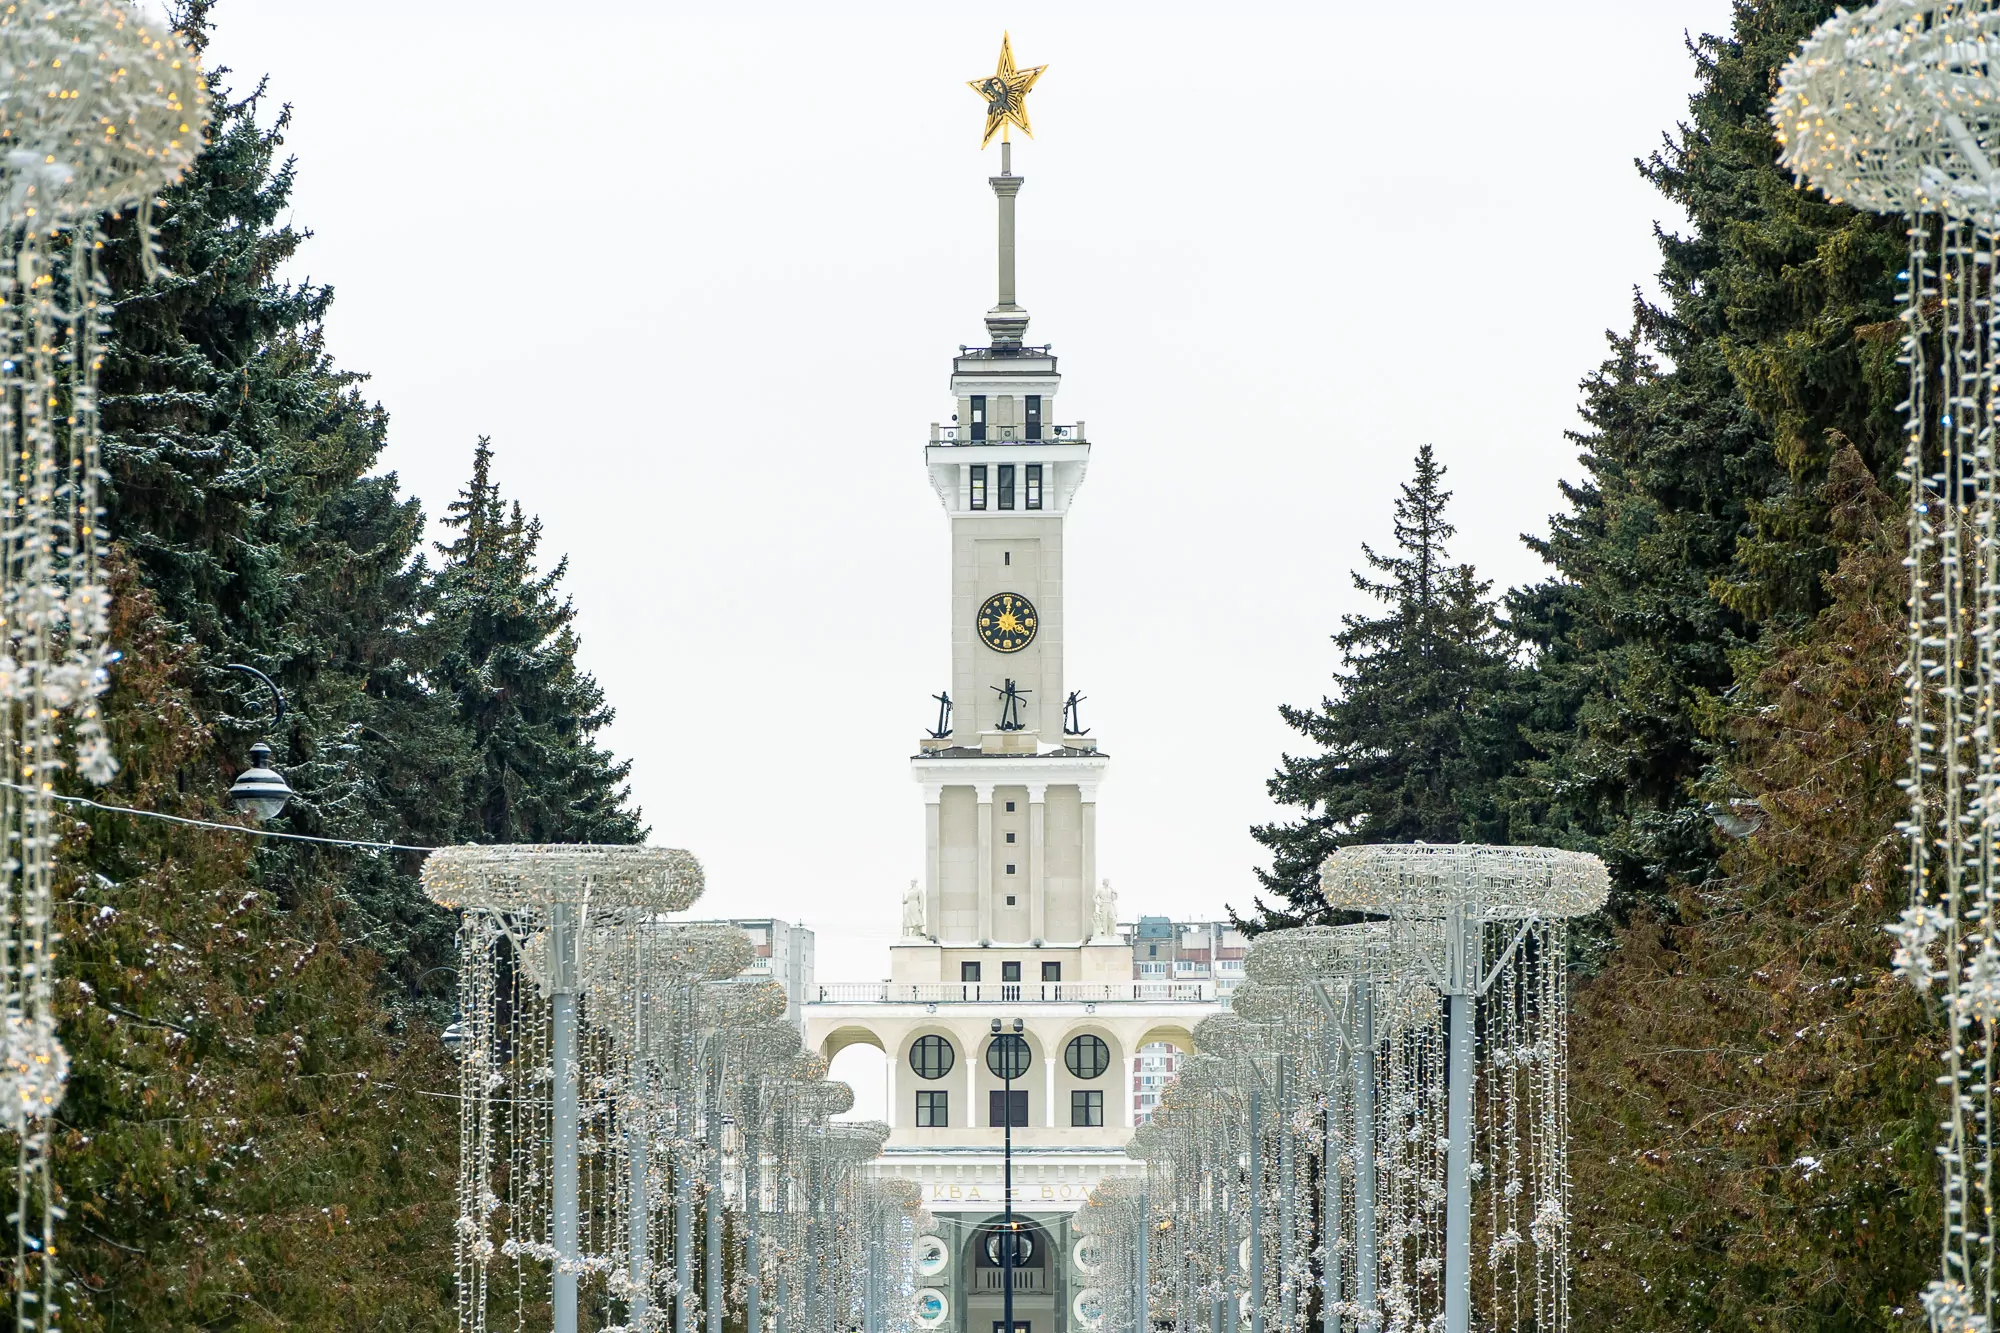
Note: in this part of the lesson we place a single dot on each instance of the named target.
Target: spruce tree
(239, 457)
(1400, 755)
(532, 714)
(1697, 530)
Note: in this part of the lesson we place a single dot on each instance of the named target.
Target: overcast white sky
(699, 271)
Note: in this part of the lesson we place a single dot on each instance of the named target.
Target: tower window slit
(978, 497)
(979, 417)
(1034, 424)
(1006, 486)
(1032, 483)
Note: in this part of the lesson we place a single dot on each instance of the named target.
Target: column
(1050, 1089)
(973, 1055)
(933, 864)
(1087, 792)
(1131, 1091)
(1038, 889)
(889, 1090)
(985, 790)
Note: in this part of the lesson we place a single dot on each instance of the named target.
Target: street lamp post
(1007, 1056)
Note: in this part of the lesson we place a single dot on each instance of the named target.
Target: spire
(1005, 93)
(1006, 322)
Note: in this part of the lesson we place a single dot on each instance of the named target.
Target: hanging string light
(539, 1086)
(102, 110)
(1324, 1148)
(1896, 109)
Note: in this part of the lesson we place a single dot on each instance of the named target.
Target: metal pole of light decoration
(753, 1207)
(1364, 1151)
(1256, 1173)
(1287, 1202)
(683, 1179)
(713, 1295)
(1463, 975)
(1329, 1215)
(562, 992)
(1145, 1229)
(638, 1131)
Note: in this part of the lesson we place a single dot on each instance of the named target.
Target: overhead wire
(226, 828)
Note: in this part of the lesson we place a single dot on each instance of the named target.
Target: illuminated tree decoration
(102, 109)
(1896, 109)
(1328, 1148)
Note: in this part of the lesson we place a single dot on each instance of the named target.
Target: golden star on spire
(1005, 92)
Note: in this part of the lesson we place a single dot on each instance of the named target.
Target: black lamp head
(260, 791)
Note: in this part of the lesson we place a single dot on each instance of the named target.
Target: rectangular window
(1010, 837)
(1033, 483)
(978, 486)
(1152, 951)
(1051, 971)
(1010, 900)
(1010, 807)
(968, 972)
(1010, 971)
(1034, 419)
(1010, 867)
(1014, 1102)
(1006, 485)
(933, 1110)
(979, 417)
(1086, 1109)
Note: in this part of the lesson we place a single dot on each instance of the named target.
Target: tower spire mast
(1006, 322)
(1005, 93)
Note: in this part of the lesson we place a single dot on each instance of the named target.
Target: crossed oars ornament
(1005, 92)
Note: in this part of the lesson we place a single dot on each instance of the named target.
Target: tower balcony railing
(1051, 434)
(994, 1279)
(1015, 992)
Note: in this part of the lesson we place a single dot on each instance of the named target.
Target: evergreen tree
(247, 1141)
(1401, 757)
(239, 459)
(1755, 1098)
(1697, 529)
(532, 714)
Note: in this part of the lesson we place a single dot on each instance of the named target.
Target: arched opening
(1035, 1259)
(855, 1057)
(1156, 1058)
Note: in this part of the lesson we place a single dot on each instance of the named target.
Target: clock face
(1007, 622)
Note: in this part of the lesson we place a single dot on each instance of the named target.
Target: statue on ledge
(913, 912)
(1105, 925)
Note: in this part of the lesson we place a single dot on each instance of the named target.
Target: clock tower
(1011, 775)
(1010, 933)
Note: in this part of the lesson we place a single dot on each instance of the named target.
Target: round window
(932, 1057)
(1087, 1056)
(1008, 1056)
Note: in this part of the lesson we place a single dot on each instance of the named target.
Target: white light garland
(1303, 1157)
(519, 877)
(1436, 881)
(1896, 109)
(101, 110)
